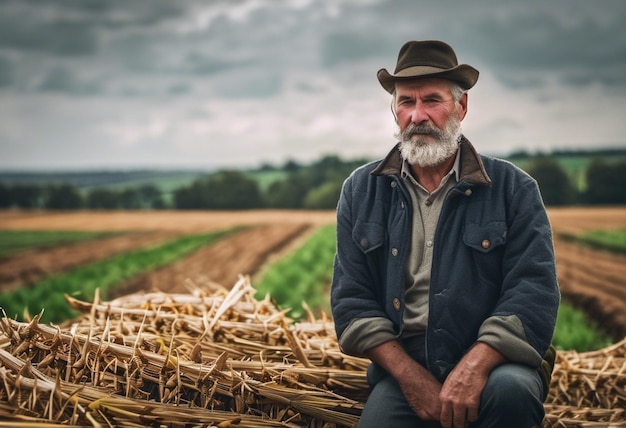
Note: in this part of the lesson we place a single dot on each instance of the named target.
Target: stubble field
(584, 387)
(592, 280)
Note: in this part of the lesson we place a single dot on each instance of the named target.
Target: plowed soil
(241, 253)
(238, 254)
(592, 280)
(30, 266)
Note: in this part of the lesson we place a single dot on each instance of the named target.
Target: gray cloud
(291, 70)
(6, 72)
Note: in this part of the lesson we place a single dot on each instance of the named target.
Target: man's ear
(462, 106)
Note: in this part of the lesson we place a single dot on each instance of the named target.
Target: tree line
(316, 186)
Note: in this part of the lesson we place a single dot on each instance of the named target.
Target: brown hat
(429, 58)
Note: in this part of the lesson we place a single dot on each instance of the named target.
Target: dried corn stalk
(211, 358)
(222, 358)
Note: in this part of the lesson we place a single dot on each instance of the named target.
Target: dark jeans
(512, 398)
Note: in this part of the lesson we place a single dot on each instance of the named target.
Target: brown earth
(149, 228)
(241, 253)
(592, 280)
(30, 266)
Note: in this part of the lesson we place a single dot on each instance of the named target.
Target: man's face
(426, 101)
(429, 120)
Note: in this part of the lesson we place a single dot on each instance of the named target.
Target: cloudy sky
(227, 83)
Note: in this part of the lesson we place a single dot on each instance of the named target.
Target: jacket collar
(472, 169)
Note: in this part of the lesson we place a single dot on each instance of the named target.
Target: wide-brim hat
(428, 58)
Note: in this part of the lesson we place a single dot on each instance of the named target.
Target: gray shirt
(426, 209)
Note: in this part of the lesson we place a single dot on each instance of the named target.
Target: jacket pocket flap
(485, 238)
(368, 236)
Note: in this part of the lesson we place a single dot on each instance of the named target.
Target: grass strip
(105, 275)
(306, 275)
(13, 241)
(613, 241)
(303, 275)
(575, 331)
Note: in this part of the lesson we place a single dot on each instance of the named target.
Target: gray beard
(416, 149)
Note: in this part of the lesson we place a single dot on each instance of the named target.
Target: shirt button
(428, 202)
(394, 252)
(396, 304)
(365, 243)
(429, 243)
(485, 244)
(394, 184)
(402, 204)
(468, 192)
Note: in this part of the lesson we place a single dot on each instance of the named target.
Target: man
(444, 274)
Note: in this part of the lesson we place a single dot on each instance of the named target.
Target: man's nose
(418, 114)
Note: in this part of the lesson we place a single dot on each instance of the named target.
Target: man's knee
(512, 397)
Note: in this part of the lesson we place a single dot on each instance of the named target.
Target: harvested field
(30, 266)
(243, 252)
(224, 359)
(232, 364)
(149, 228)
(593, 281)
(177, 221)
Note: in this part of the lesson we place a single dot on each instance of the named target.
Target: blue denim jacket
(493, 271)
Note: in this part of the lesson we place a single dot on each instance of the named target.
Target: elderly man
(444, 274)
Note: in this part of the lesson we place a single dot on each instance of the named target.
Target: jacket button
(365, 243)
(394, 184)
(468, 192)
(486, 244)
(394, 252)
(396, 304)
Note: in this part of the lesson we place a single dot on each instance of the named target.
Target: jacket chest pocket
(368, 236)
(486, 243)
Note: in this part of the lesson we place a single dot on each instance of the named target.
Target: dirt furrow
(241, 253)
(30, 266)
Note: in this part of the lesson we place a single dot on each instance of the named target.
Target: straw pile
(219, 358)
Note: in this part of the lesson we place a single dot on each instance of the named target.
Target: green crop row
(607, 240)
(82, 282)
(575, 331)
(303, 275)
(12, 241)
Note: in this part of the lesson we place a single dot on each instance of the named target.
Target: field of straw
(221, 358)
(215, 356)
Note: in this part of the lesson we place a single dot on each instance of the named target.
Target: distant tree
(129, 199)
(291, 166)
(556, 187)
(288, 193)
(150, 196)
(606, 182)
(227, 189)
(233, 190)
(27, 196)
(102, 198)
(6, 199)
(63, 197)
(325, 196)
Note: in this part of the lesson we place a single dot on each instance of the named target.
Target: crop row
(303, 275)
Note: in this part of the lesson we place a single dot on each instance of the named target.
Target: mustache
(425, 128)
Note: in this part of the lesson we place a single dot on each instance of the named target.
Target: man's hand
(460, 394)
(420, 388)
